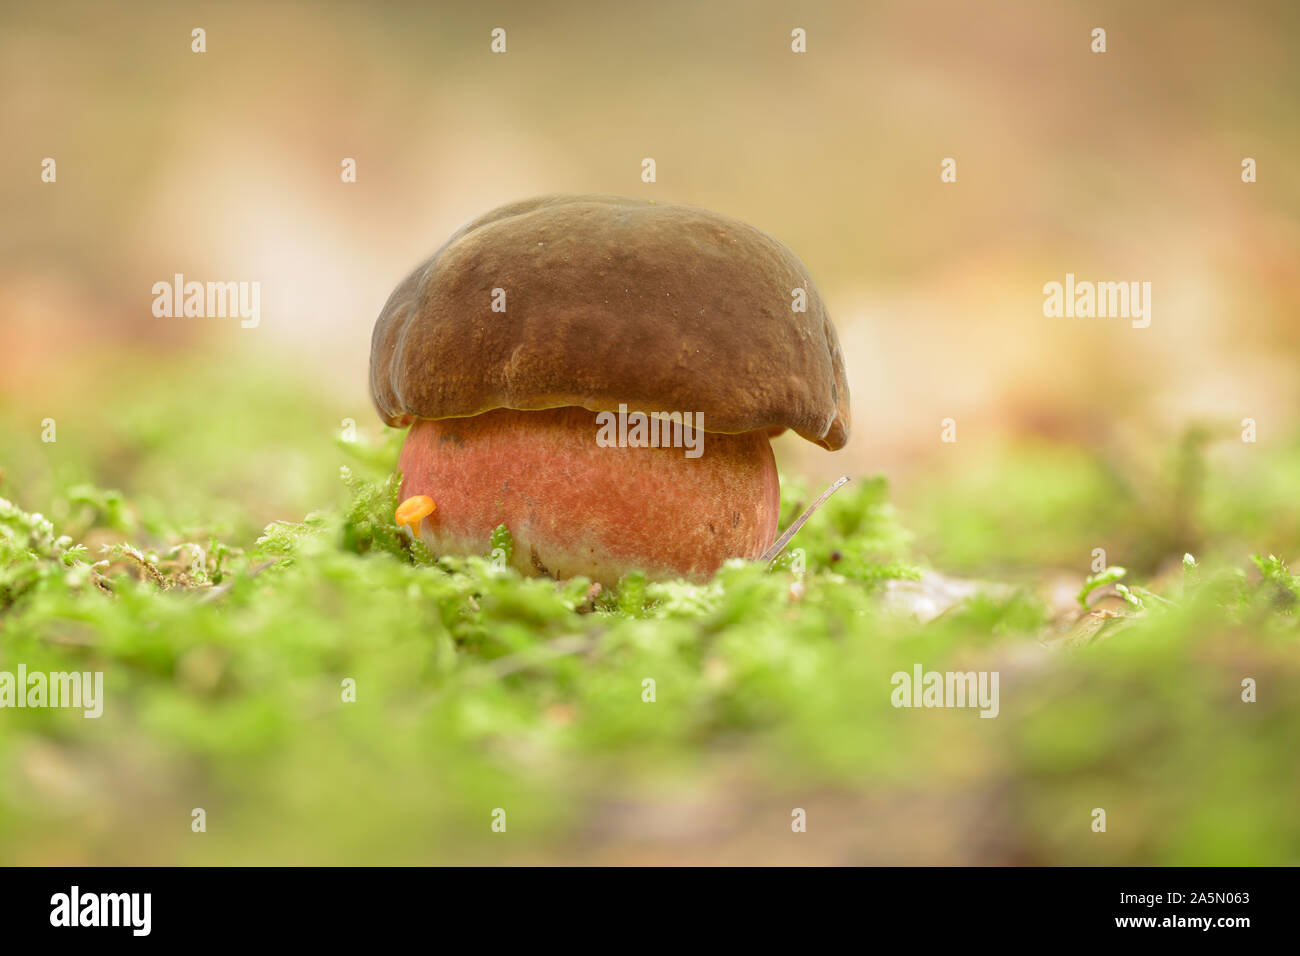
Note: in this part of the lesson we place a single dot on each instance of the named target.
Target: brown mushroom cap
(610, 300)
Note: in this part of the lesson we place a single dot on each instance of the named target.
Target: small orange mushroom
(414, 510)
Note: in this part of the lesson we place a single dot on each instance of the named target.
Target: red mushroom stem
(576, 507)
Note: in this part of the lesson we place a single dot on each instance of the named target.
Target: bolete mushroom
(540, 352)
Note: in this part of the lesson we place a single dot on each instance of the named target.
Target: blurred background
(1071, 433)
(226, 165)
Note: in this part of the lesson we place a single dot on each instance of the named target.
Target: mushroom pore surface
(576, 507)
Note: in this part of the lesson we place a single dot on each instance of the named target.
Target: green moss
(227, 659)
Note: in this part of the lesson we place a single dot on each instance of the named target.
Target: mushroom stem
(576, 507)
(779, 545)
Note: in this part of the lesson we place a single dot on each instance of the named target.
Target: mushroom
(541, 330)
(414, 510)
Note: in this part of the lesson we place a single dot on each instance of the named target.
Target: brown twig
(779, 546)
